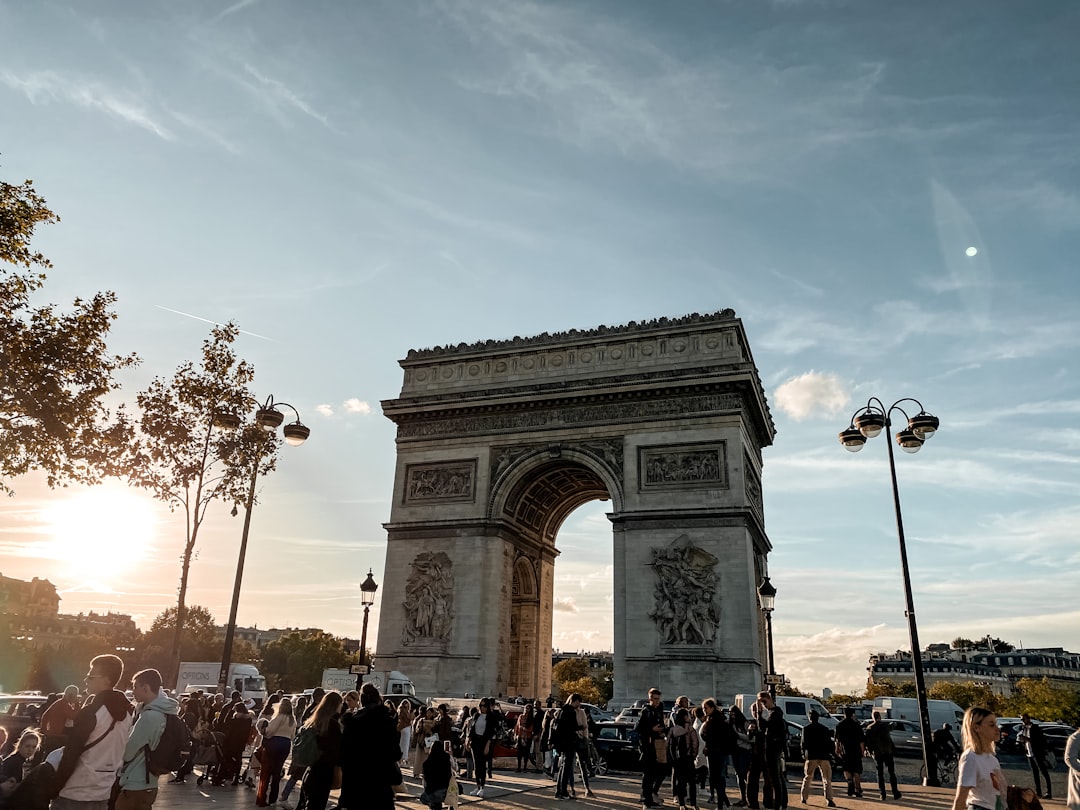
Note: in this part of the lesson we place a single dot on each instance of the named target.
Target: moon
(972, 251)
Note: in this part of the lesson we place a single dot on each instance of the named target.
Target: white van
(796, 709)
(941, 711)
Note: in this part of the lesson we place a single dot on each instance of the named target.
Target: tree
(1044, 701)
(888, 688)
(586, 687)
(961, 643)
(298, 662)
(569, 669)
(55, 371)
(198, 641)
(966, 694)
(185, 459)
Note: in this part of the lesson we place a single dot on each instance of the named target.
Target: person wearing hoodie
(95, 746)
(138, 787)
(370, 752)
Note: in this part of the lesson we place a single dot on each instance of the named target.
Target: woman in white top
(980, 783)
(277, 740)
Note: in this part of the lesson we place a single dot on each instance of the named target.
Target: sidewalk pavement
(509, 791)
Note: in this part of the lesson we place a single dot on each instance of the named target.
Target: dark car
(1056, 735)
(19, 712)
(617, 746)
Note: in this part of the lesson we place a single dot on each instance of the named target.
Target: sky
(887, 194)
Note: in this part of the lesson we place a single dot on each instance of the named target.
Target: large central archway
(499, 442)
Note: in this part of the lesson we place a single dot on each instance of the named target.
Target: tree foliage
(185, 459)
(1044, 701)
(966, 694)
(570, 669)
(55, 370)
(198, 641)
(586, 687)
(298, 662)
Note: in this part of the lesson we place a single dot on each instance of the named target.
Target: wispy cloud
(42, 87)
(324, 410)
(205, 130)
(565, 604)
(235, 7)
(276, 95)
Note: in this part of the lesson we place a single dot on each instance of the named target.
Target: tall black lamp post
(767, 598)
(867, 423)
(367, 599)
(268, 417)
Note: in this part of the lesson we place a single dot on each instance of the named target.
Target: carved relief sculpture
(440, 482)
(679, 466)
(685, 593)
(429, 600)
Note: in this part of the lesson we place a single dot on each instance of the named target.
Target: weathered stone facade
(499, 441)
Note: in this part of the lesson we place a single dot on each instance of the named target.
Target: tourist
(652, 739)
(718, 744)
(564, 739)
(523, 737)
(405, 719)
(59, 718)
(740, 757)
(138, 785)
(423, 728)
(1032, 742)
(437, 773)
(851, 748)
(817, 747)
(12, 766)
(776, 737)
(320, 777)
(94, 750)
(479, 744)
(277, 741)
(369, 754)
(683, 746)
(879, 741)
(980, 782)
(1072, 764)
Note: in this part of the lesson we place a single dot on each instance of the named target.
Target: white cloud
(324, 410)
(812, 394)
(355, 405)
(565, 605)
(44, 86)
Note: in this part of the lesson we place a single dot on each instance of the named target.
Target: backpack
(172, 750)
(305, 749)
(680, 747)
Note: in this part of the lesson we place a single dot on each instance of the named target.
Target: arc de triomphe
(499, 441)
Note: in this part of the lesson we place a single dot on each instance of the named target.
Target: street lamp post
(268, 417)
(867, 423)
(767, 599)
(367, 599)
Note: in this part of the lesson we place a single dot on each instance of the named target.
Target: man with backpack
(156, 745)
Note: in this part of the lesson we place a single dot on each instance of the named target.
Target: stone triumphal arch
(499, 441)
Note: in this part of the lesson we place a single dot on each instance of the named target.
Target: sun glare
(100, 533)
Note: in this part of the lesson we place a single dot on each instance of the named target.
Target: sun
(100, 533)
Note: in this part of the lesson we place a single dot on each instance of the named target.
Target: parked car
(1056, 735)
(19, 712)
(617, 745)
(597, 714)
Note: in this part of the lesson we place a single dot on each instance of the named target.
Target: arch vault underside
(498, 442)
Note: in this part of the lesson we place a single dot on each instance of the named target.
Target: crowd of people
(101, 750)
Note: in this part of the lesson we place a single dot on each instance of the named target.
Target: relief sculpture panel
(682, 466)
(686, 610)
(445, 481)
(429, 600)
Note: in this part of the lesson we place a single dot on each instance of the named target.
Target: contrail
(215, 323)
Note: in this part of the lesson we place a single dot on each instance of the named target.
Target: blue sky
(349, 181)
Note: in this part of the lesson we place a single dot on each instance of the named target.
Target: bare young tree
(198, 443)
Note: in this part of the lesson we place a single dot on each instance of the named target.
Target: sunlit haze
(887, 194)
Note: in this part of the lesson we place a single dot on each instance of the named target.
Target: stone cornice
(631, 329)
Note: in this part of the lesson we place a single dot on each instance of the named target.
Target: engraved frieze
(686, 610)
(444, 481)
(570, 415)
(682, 466)
(429, 600)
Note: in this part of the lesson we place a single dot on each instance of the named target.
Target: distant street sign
(775, 680)
(357, 669)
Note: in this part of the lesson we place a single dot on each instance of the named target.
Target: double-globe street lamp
(367, 599)
(867, 423)
(269, 418)
(767, 600)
